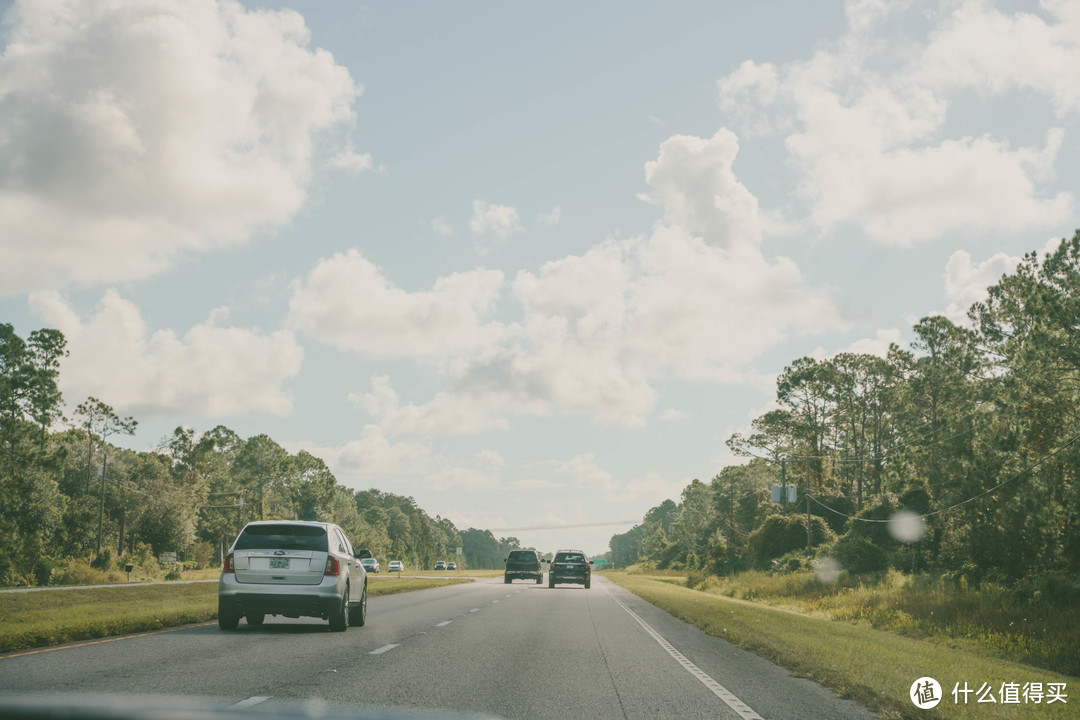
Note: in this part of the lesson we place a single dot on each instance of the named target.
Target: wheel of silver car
(339, 621)
(227, 617)
(254, 618)
(358, 617)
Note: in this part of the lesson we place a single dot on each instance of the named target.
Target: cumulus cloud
(138, 131)
(211, 371)
(347, 302)
(696, 300)
(968, 282)
(493, 221)
(867, 134)
(442, 226)
(550, 218)
(404, 464)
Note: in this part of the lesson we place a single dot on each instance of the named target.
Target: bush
(781, 534)
(173, 574)
(104, 560)
(859, 554)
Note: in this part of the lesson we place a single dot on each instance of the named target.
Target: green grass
(53, 617)
(1033, 629)
(873, 666)
(388, 585)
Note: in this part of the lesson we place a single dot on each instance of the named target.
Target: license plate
(279, 563)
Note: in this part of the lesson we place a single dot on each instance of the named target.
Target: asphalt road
(514, 651)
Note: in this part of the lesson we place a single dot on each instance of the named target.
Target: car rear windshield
(282, 537)
(522, 556)
(570, 557)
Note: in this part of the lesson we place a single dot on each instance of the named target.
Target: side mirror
(363, 554)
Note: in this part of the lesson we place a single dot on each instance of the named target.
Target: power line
(567, 527)
(1034, 465)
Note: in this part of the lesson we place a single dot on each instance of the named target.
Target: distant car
(395, 566)
(294, 569)
(570, 566)
(370, 564)
(523, 564)
(441, 565)
(451, 566)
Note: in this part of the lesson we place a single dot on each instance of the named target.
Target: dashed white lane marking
(444, 623)
(744, 710)
(475, 610)
(494, 601)
(384, 648)
(254, 700)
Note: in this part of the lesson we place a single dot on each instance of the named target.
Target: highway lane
(515, 651)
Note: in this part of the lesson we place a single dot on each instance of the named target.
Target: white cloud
(967, 282)
(550, 218)
(372, 457)
(695, 300)
(693, 180)
(211, 371)
(978, 46)
(354, 162)
(866, 131)
(877, 345)
(585, 472)
(442, 226)
(672, 415)
(138, 131)
(499, 221)
(346, 301)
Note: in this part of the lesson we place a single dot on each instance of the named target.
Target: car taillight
(333, 567)
(227, 566)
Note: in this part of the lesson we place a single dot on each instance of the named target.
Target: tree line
(68, 494)
(973, 431)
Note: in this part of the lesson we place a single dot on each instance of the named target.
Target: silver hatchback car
(294, 569)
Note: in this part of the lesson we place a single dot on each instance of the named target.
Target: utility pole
(807, 508)
(101, 515)
(783, 487)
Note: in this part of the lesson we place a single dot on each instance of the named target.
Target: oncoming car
(451, 566)
(441, 565)
(370, 564)
(395, 566)
(294, 569)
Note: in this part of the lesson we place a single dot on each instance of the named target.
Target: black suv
(570, 566)
(523, 564)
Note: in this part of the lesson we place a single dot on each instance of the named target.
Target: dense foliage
(973, 429)
(69, 497)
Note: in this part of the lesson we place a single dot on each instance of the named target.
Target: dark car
(523, 564)
(570, 566)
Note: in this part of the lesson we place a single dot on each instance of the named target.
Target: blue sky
(530, 265)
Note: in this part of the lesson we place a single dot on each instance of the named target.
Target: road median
(34, 620)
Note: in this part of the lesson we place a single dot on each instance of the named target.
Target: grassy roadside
(874, 667)
(39, 619)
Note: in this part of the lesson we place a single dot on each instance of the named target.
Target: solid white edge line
(744, 711)
(384, 648)
(254, 700)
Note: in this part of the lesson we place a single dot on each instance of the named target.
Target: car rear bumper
(556, 577)
(292, 600)
(530, 574)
